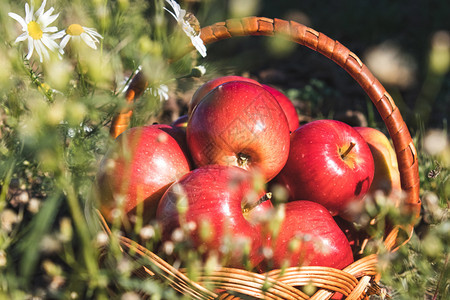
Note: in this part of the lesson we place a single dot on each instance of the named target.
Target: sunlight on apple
(259, 127)
(332, 164)
(160, 162)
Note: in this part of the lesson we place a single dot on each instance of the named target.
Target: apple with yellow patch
(387, 176)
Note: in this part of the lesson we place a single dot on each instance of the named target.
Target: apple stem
(267, 196)
(343, 155)
(242, 159)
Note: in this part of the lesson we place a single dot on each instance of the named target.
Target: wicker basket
(356, 281)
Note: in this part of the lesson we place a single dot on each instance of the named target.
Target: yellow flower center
(34, 30)
(74, 29)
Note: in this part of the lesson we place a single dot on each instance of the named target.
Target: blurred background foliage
(55, 117)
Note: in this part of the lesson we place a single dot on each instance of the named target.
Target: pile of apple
(213, 170)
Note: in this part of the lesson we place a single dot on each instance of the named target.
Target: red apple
(203, 90)
(329, 163)
(224, 203)
(286, 105)
(387, 175)
(138, 169)
(309, 236)
(239, 124)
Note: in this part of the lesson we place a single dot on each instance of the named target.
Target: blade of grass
(38, 227)
(89, 252)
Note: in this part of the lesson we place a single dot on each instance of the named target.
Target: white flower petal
(19, 19)
(64, 41)
(50, 29)
(58, 35)
(28, 13)
(21, 37)
(94, 39)
(39, 50)
(48, 43)
(177, 13)
(38, 13)
(163, 92)
(173, 15)
(88, 40)
(176, 8)
(51, 44)
(48, 13)
(43, 49)
(47, 40)
(30, 48)
(93, 33)
(199, 45)
(48, 20)
(181, 14)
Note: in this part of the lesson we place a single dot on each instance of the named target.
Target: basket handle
(319, 42)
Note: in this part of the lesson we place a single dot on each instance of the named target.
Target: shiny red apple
(239, 124)
(309, 236)
(329, 163)
(224, 203)
(138, 169)
(204, 89)
(287, 106)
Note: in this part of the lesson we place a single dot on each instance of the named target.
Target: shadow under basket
(356, 281)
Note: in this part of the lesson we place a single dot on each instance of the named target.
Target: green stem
(81, 227)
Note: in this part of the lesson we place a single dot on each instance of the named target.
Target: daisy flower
(183, 19)
(78, 32)
(162, 91)
(36, 31)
